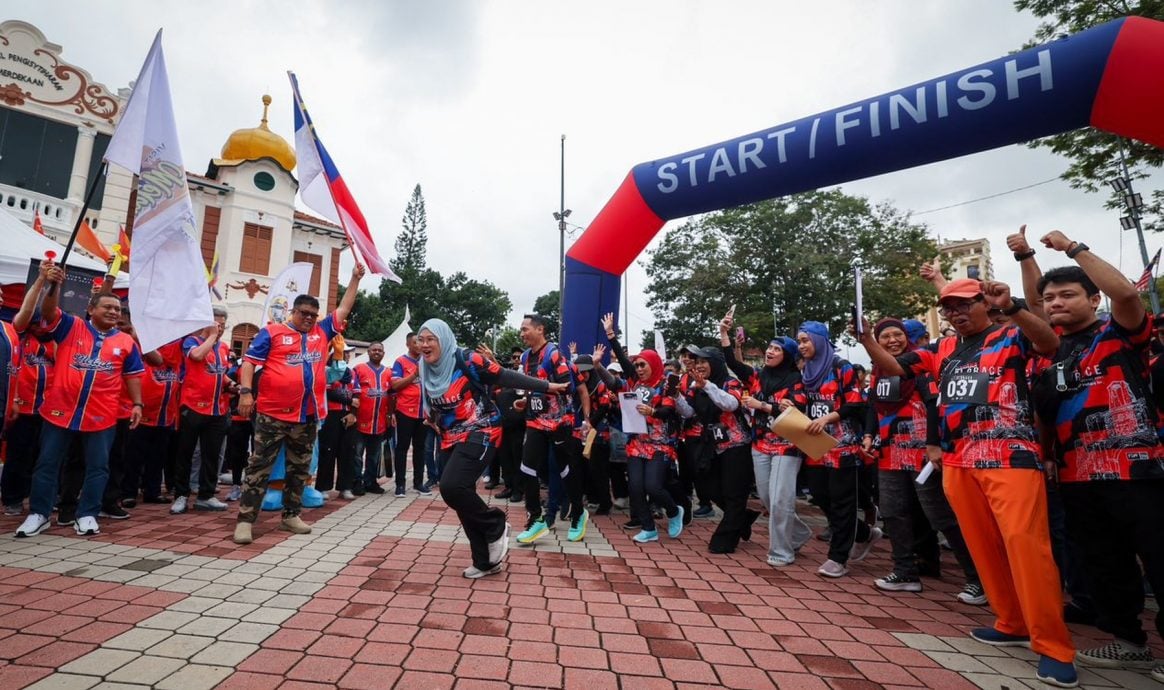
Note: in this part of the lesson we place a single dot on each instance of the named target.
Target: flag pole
(80, 219)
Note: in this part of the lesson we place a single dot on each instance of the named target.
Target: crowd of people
(1027, 441)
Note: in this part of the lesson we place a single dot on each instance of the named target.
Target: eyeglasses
(641, 365)
(960, 307)
(308, 314)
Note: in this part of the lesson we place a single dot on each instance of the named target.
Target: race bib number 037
(969, 388)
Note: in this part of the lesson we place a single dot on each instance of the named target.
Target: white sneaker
(211, 503)
(347, 495)
(619, 503)
(86, 526)
(831, 568)
(33, 525)
(862, 549)
(498, 549)
(225, 478)
(235, 493)
(473, 572)
(14, 509)
(178, 506)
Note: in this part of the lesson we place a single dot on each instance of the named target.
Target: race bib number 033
(969, 388)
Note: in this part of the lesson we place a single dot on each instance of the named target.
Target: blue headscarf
(816, 370)
(436, 378)
(788, 345)
(914, 330)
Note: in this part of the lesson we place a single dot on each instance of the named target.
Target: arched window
(241, 337)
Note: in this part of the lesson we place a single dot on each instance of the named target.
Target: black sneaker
(66, 516)
(633, 523)
(129, 503)
(155, 499)
(114, 512)
(517, 497)
(358, 491)
(503, 494)
(374, 488)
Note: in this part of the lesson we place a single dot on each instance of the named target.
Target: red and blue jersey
(87, 382)
(547, 411)
(10, 356)
(407, 398)
(838, 389)
(294, 370)
(661, 439)
(340, 391)
(902, 424)
(765, 440)
(204, 384)
(161, 388)
(375, 386)
(983, 398)
(1107, 428)
(36, 374)
(465, 408)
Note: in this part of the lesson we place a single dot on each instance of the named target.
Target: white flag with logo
(660, 345)
(289, 284)
(167, 286)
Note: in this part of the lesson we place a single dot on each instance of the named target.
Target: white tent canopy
(394, 345)
(20, 243)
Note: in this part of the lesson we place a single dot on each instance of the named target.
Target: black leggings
(463, 465)
(729, 481)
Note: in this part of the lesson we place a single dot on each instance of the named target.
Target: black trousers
(567, 452)
(509, 456)
(694, 472)
(729, 481)
(23, 440)
(463, 465)
(146, 458)
(647, 480)
(207, 432)
(337, 453)
(1114, 523)
(410, 433)
(598, 474)
(238, 448)
(837, 489)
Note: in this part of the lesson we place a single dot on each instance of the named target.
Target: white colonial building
(55, 124)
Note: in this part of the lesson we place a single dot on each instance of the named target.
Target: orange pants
(1003, 517)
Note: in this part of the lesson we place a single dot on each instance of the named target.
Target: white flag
(167, 286)
(290, 283)
(660, 346)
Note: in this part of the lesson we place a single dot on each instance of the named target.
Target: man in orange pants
(991, 460)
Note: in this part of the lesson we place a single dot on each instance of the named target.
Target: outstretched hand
(608, 323)
(1017, 242)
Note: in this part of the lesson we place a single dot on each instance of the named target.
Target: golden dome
(259, 142)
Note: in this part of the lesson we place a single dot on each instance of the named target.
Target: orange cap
(963, 287)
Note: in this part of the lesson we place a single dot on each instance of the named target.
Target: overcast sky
(470, 98)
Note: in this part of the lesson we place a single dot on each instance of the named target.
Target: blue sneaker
(645, 536)
(675, 524)
(578, 526)
(704, 512)
(995, 638)
(534, 530)
(1058, 673)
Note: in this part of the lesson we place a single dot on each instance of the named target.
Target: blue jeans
(369, 451)
(54, 446)
(776, 486)
(430, 459)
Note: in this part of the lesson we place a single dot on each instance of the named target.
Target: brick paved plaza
(374, 598)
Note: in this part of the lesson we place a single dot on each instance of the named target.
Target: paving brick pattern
(374, 598)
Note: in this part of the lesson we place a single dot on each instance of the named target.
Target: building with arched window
(55, 124)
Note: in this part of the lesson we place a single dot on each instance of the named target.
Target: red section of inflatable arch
(1130, 100)
(628, 221)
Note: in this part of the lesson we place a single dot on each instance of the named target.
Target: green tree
(547, 306)
(1094, 156)
(785, 261)
(471, 307)
(412, 242)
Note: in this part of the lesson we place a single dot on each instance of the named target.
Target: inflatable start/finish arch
(1110, 77)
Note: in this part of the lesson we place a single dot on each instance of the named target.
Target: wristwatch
(1024, 256)
(244, 391)
(1017, 305)
(1074, 250)
(141, 405)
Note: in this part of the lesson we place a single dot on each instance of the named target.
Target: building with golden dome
(51, 146)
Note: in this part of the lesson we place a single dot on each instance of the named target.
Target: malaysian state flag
(1146, 276)
(323, 189)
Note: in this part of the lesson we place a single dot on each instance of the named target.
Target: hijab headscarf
(817, 369)
(783, 375)
(706, 410)
(914, 330)
(436, 378)
(715, 359)
(907, 385)
(652, 358)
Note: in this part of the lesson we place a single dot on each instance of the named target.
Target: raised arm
(1031, 273)
(23, 317)
(880, 357)
(628, 369)
(345, 306)
(742, 371)
(1126, 307)
(1038, 331)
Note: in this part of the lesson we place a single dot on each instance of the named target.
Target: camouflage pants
(271, 435)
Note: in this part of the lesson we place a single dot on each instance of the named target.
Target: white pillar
(83, 155)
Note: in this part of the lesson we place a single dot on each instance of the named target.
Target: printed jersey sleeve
(1139, 336)
(328, 326)
(561, 367)
(133, 365)
(59, 329)
(919, 363)
(487, 369)
(397, 370)
(260, 347)
(189, 343)
(850, 391)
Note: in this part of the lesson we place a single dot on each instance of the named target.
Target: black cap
(584, 362)
(693, 350)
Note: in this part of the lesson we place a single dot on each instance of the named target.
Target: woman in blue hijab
(455, 384)
(837, 408)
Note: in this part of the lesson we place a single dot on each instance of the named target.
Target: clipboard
(792, 424)
(589, 445)
(633, 421)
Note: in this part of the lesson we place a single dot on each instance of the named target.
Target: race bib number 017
(888, 389)
(966, 389)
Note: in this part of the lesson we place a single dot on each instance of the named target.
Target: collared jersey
(838, 389)
(1107, 427)
(294, 376)
(983, 398)
(87, 382)
(463, 410)
(765, 440)
(10, 356)
(407, 398)
(556, 411)
(204, 384)
(375, 385)
(36, 374)
(161, 388)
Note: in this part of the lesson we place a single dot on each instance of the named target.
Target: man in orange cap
(991, 461)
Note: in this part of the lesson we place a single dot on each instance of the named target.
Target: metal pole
(562, 244)
(1135, 213)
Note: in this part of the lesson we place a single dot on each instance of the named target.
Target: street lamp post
(561, 215)
(1134, 204)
